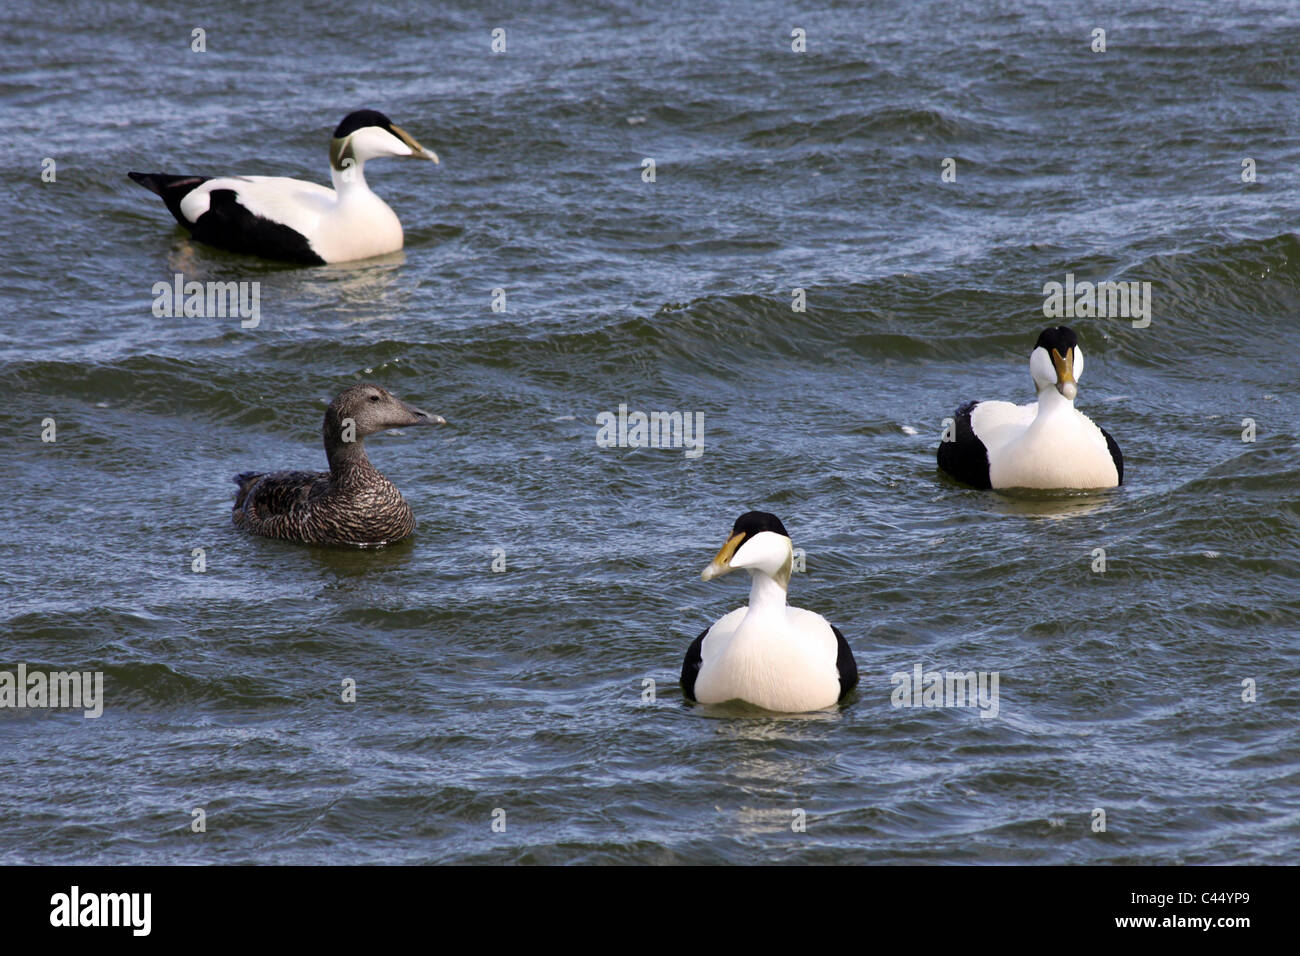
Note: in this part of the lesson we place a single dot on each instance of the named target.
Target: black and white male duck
(767, 654)
(1048, 444)
(291, 219)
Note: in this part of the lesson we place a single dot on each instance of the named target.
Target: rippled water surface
(522, 690)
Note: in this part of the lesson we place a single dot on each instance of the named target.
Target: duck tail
(172, 189)
(245, 480)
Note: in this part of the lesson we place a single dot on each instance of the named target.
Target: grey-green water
(522, 690)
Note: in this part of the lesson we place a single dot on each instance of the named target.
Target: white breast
(785, 663)
(1060, 448)
(358, 227)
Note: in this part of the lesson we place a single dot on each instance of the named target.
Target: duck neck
(351, 180)
(345, 457)
(766, 595)
(1052, 403)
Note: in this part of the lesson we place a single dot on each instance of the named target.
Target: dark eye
(374, 398)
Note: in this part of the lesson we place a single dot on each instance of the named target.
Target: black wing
(965, 458)
(691, 666)
(1115, 455)
(844, 663)
(228, 225)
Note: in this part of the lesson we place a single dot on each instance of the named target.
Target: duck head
(363, 410)
(758, 543)
(1057, 362)
(369, 134)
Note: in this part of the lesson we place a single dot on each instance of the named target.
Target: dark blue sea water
(522, 690)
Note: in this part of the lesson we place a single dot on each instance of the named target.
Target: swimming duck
(291, 219)
(352, 503)
(768, 654)
(1048, 444)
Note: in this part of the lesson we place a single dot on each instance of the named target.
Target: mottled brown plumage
(352, 503)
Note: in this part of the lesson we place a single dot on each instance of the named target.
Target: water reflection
(356, 562)
(1035, 503)
(364, 291)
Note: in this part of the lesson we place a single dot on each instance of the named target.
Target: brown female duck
(352, 503)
